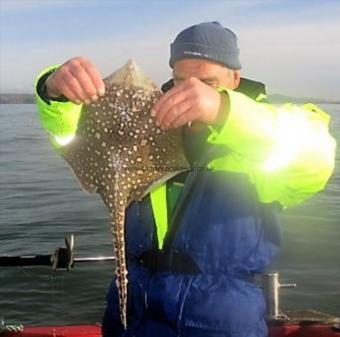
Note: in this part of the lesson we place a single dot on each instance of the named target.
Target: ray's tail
(117, 227)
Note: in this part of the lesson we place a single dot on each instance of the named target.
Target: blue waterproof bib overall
(229, 239)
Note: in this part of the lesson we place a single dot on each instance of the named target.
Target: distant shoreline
(274, 98)
(17, 99)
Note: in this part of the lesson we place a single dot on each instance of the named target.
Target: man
(198, 279)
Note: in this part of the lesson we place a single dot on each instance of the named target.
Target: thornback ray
(120, 153)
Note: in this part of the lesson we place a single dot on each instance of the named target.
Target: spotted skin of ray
(121, 154)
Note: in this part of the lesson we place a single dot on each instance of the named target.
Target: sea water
(40, 202)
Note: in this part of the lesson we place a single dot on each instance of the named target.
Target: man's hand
(190, 101)
(78, 80)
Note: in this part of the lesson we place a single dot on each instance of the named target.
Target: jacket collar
(250, 88)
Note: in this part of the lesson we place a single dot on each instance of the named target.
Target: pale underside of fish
(121, 154)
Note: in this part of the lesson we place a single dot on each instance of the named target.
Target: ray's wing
(78, 164)
(82, 153)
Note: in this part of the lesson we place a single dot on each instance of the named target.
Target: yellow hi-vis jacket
(286, 151)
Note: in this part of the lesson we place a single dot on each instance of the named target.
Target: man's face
(209, 72)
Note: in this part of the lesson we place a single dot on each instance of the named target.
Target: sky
(292, 46)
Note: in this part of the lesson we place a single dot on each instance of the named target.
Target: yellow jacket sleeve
(59, 119)
(286, 151)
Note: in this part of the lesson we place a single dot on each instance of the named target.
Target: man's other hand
(78, 80)
(189, 101)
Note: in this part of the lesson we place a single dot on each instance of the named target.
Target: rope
(11, 328)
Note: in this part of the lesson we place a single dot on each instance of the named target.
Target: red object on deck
(291, 330)
(58, 331)
(297, 330)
